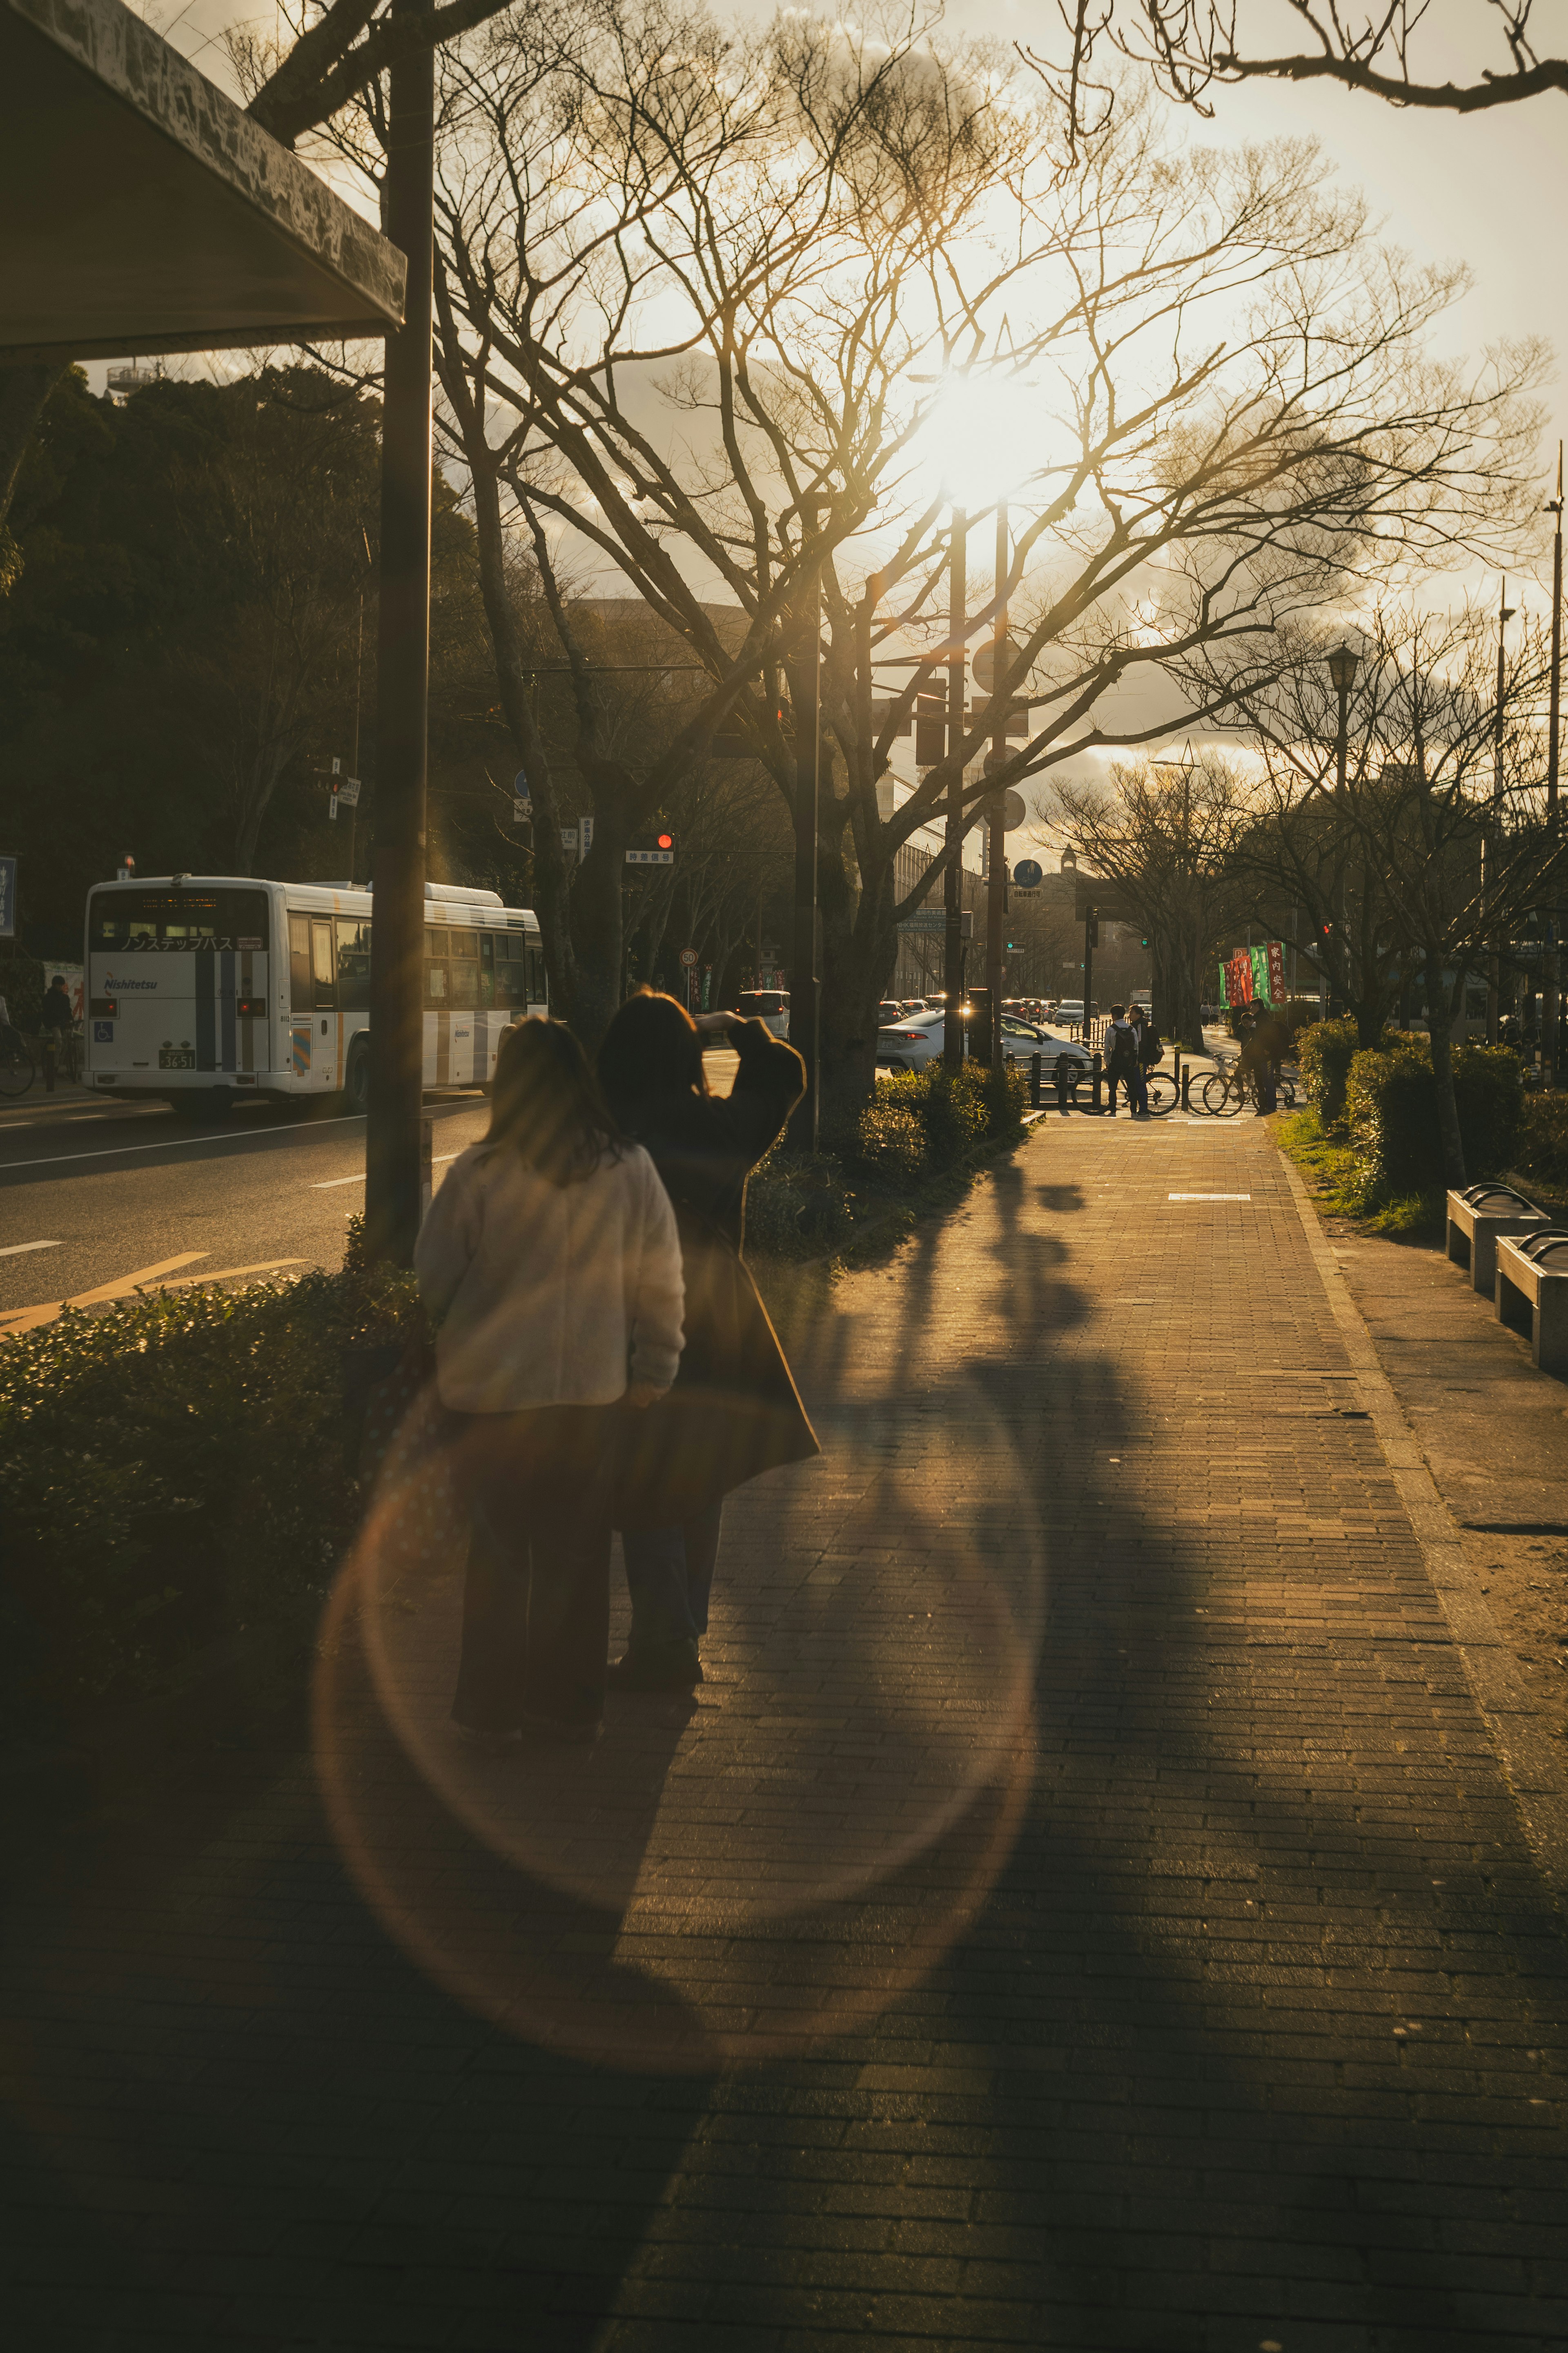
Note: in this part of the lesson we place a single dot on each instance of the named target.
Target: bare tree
(1166, 834)
(715, 291)
(1392, 51)
(1442, 812)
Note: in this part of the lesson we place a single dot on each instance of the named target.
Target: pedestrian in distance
(1121, 1059)
(733, 1410)
(55, 1021)
(551, 1263)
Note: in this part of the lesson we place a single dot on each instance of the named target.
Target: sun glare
(984, 438)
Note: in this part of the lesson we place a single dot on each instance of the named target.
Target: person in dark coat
(734, 1410)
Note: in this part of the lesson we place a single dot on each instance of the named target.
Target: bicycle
(1224, 1092)
(15, 1062)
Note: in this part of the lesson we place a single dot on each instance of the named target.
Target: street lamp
(1489, 836)
(1343, 664)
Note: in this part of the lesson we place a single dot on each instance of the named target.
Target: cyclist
(56, 1021)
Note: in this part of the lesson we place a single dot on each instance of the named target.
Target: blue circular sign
(1028, 873)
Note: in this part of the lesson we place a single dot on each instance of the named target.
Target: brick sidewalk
(1213, 2000)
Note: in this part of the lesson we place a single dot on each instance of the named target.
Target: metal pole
(1489, 838)
(354, 764)
(953, 881)
(802, 981)
(1090, 920)
(996, 882)
(397, 933)
(1549, 1009)
(1341, 764)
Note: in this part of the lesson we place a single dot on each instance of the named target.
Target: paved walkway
(1086, 1909)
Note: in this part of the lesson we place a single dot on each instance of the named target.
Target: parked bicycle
(15, 1062)
(1225, 1091)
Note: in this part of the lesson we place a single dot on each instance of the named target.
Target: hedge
(1543, 1147)
(1391, 1113)
(1324, 1054)
(172, 1470)
(915, 1125)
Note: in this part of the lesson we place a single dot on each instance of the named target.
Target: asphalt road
(94, 1193)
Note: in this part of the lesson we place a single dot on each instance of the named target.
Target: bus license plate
(176, 1058)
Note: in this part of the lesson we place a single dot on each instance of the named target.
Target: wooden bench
(1476, 1215)
(1531, 1294)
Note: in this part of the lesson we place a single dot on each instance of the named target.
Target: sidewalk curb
(1529, 1763)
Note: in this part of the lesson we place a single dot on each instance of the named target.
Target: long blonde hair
(546, 1105)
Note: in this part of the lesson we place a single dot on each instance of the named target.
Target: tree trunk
(24, 392)
(1439, 1014)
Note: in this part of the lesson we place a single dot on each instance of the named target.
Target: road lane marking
(15, 1250)
(172, 1142)
(331, 1184)
(27, 1319)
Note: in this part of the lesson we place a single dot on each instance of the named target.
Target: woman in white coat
(551, 1263)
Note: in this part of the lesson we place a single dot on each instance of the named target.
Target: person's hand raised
(642, 1394)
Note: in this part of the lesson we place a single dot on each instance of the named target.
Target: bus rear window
(166, 921)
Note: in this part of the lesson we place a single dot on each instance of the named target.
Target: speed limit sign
(688, 958)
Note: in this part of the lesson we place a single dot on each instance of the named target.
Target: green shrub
(170, 1470)
(1325, 1051)
(1391, 1113)
(1488, 1090)
(915, 1125)
(1543, 1146)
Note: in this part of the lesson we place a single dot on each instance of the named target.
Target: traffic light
(653, 850)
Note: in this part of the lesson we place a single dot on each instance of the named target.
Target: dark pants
(536, 1603)
(669, 1576)
(1129, 1080)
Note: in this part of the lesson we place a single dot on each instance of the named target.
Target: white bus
(200, 988)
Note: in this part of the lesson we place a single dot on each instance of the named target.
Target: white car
(911, 1045)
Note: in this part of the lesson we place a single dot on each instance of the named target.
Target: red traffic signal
(664, 842)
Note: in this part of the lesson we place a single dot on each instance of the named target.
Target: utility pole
(1549, 1010)
(393, 1170)
(996, 879)
(953, 881)
(1343, 666)
(1090, 942)
(1489, 838)
(803, 979)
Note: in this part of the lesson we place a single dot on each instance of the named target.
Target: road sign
(348, 792)
(650, 858)
(1013, 812)
(519, 785)
(985, 661)
(522, 808)
(1028, 874)
(569, 837)
(688, 958)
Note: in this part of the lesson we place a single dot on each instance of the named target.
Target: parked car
(912, 1043)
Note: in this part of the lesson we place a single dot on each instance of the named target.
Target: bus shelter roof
(145, 213)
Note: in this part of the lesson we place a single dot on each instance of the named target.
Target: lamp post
(1343, 664)
(394, 1167)
(1553, 507)
(1505, 615)
(996, 869)
(953, 881)
(803, 981)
